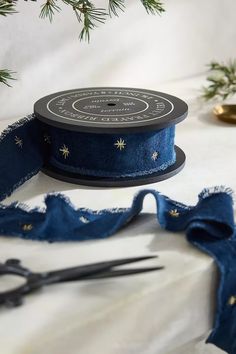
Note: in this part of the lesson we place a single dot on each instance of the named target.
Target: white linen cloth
(166, 312)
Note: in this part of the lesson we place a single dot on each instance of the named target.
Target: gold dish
(226, 113)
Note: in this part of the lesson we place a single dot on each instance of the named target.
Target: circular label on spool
(110, 110)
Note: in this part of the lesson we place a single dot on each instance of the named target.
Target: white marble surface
(166, 312)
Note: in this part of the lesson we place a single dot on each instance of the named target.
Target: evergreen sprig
(86, 12)
(153, 6)
(7, 7)
(222, 80)
(90, 16)
(5, 76)
(115, 6)
(48, 9)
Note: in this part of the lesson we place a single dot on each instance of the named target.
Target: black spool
(106, 110)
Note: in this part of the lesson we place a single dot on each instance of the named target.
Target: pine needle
(115, 6)
(48, 9)
(153, 7)
(7, 7)
(5, 76)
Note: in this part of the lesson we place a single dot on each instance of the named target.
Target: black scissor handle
(14, 297)
(34, 281)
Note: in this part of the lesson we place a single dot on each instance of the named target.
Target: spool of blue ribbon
(97, 136)
(111, 136)
(75, 136)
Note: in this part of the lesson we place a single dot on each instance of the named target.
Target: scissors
(35, 281)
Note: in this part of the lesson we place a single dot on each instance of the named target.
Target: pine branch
(48, 9)
(222, 81)
(90, 16)
(5, 76)
(85, 11)
(7, 7)
(153, 7)
(115, 6)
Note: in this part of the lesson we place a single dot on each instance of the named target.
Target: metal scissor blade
(34, 281)
(77, 273)
(121, 273)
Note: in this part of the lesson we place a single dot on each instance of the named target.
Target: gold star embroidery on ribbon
(27, 227)
(232, 300)
(155, 155)
(120, 144)
(18, 141)
(174, 213)
(65, 151)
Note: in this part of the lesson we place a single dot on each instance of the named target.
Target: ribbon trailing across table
(209, 224)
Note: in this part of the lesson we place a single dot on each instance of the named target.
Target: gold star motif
(27, 227)
(155, 155)
(65, 151)
(47, 139)
(232, 300)
(18, 141)
(120, 144)
(174, 213)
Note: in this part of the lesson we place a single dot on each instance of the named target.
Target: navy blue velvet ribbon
(111, 155)
(33, 144)
(209, 224)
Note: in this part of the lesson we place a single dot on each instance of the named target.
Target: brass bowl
(226, 113)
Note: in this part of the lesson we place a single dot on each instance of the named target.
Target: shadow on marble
(43, 184)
